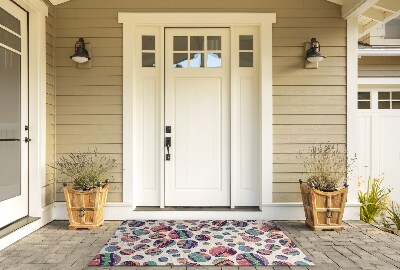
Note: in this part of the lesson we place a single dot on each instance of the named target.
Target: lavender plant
(86, 169)
(326, 167)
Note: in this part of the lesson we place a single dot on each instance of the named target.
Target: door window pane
(384, 95)
(148, 43)
(364, 105)
(396, 105)
(245, 59)
(180, 60)
(10, 123)
(396, 95)
(9, 21)
(214, 43)
(246, 42)
(180, 43)
(196, 43)
(148, 59)
(10, 40)
(364, 95)
(214, 60)
(197, 60)
(383, 105)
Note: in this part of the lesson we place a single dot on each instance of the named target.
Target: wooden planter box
(86, 208)
(323, 210)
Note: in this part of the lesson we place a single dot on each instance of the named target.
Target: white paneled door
(197, 117)
(379, 133)
(13, 113)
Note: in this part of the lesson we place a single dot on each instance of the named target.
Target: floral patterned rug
(199, 242)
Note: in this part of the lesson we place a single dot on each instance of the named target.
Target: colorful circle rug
(199, 242)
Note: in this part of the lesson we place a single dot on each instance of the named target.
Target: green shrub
(393, 214)
(374, 200)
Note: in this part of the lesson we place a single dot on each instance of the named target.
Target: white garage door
(379, 136)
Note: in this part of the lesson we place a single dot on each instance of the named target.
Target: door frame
(37, 13)
(132, 121)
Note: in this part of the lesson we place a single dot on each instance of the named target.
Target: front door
(13, 113)
(197, 117)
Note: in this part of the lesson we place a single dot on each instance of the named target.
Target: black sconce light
(81, 54)
(313, 54)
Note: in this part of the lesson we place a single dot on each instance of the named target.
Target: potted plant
(324, 191)
(87, 196)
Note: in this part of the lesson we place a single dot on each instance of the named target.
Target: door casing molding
(132, 122)
(37, 12)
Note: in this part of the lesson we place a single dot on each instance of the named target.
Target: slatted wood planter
(323, 210)
(86, 208)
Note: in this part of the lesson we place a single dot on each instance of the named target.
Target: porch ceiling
(371, 13)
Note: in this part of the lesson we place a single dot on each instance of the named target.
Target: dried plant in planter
(87, 170)
(326, 168)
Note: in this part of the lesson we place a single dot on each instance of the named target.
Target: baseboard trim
(47, 216)
(270, 211)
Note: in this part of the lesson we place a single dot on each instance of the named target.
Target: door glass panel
(245, 59)
(396, 105)
(148, 59)
(364, 105)
(384, 95)
(9, 21)
(148, 43)
(197, 60)
(10, 123)
(196, 43)
(246, 42)
(180, 43)
(396, 95)
(214, 60)
(180, 60)
(214, 43)
(364, 95)
(383, 105)
(10, 40)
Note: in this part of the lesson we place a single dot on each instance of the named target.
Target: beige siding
(379, 66)
(49, 187)
(309, 104)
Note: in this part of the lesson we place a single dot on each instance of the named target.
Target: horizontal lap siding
(379, 66)
(309, 104)
(49, 187)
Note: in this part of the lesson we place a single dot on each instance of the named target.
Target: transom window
(197, 52)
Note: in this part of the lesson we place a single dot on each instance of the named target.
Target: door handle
(168, 145)
(27, 139)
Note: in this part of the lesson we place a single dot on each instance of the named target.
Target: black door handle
(27, 139)
(168, 145)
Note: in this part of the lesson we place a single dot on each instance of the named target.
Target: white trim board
(378, 80)
(132, 126)
(270, 211)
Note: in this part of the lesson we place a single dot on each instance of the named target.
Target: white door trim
(37, 12)
(131, 121)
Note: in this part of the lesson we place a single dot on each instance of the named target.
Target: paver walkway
(358, 246)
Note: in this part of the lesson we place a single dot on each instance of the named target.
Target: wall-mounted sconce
(81, 54)
(313, 55)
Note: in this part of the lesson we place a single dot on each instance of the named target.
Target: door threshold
(200, 208)
(8, 229)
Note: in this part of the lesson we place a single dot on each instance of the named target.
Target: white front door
(379, 133)
(197, 110)
(13, 113)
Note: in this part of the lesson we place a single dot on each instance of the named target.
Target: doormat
(199, 242)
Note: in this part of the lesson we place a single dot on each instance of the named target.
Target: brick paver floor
(358, 246)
